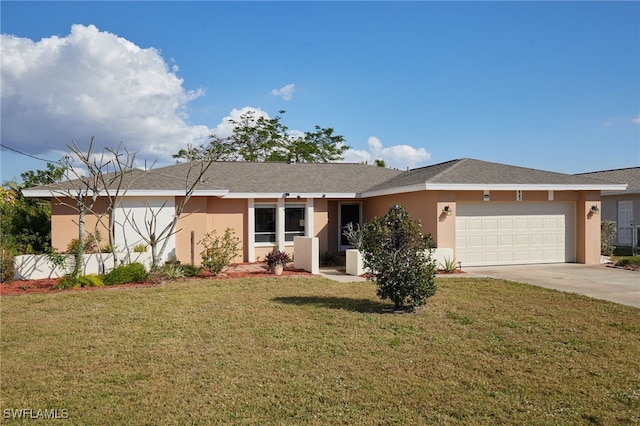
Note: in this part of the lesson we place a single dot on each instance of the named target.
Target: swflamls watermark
(35, 414)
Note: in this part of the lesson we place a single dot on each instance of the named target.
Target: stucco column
(308, 217)
(280, 240)
(251, 227)
(588, 219)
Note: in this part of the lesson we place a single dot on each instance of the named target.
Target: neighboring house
(621, 206)
(487, 213)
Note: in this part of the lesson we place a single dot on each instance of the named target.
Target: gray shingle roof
(470, 171)
(272, 177)
(339, 178)
(630, 176)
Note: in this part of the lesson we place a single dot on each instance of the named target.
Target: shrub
(106, 248)
(140, 248)
(330, 259)
(190, 270)
(123, 274)
(91, 244)
(449, 266)
(628, 261)
(7, 270)
(167, 272)
(69, 281)
(607, 237)
(91, 280)
(218, 250)
(396, 252)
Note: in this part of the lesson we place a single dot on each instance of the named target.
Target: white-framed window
(265, 217)
(277, 223)
(294, 221)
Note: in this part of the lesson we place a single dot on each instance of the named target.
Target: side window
(294, 223)
(265, 224)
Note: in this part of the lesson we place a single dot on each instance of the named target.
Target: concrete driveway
(598, 281)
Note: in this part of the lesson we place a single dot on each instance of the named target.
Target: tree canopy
(26, 222)
(397, 254)
(268, 139)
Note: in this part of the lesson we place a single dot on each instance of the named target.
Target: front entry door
(349, 213)
(625, 218)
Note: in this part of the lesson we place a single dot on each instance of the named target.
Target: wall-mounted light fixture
(447, 210)
(594, 209)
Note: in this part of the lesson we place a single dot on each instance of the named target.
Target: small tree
(219, 250)
(151, 231)
(107, 175)
(395, 251)
(607, 237)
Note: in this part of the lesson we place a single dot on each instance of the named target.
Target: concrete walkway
(597, 281)
(339, 275)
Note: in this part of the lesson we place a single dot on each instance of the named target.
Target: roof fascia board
(49, 193)
(494, 187)
(620, 193)
(292, 195)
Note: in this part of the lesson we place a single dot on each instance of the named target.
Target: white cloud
(92, 82)
(225, 128)
(396, 156)
(636, 120)
(285, 92)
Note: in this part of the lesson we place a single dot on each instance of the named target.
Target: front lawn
(314, 351)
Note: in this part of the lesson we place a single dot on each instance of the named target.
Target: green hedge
(123, 274)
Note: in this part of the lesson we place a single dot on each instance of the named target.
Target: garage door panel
(522, 224)
(514, 233)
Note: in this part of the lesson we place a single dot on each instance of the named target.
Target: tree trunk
(78, 266)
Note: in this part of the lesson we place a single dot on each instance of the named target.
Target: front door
(349, 213)
(625, 218)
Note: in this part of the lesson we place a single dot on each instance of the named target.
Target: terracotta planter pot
(277, 269)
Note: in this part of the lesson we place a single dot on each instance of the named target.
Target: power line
(27, 155)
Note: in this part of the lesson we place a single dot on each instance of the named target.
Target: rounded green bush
(123, 274)
(190, 270)
(92, 280)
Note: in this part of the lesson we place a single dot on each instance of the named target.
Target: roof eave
(291, 195)
(606, 193)
(494, 187)
(53, 193)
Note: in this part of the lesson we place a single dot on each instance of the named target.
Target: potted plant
(277, 260)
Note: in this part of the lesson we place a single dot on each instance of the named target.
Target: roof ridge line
(609, 170)
(455, 164)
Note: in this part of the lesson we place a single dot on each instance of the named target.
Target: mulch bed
(46, 285)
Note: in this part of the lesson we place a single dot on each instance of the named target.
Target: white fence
(36, 266)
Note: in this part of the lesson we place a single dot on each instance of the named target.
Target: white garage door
(514, 233)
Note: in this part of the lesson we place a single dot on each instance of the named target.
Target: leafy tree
(51, 175)
(379, 162)
(268, 139)
(26, 222)
(396, 253)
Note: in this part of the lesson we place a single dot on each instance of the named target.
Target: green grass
(313, 351)
(630, 261)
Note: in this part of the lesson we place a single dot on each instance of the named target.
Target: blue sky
(547, 85)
